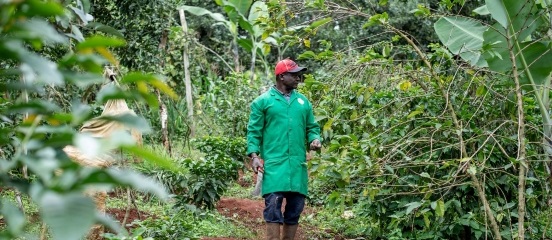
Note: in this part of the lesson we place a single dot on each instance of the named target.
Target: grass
(204, 223)
(193, 223)
(237, 191)
(32, 230)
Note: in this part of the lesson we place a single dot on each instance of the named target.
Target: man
(281, 124)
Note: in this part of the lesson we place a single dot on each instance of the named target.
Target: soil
(245, 212)
(133, 214)
(249, 213)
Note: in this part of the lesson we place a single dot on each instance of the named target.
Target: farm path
(249, 213)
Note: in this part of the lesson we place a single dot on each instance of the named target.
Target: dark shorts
(295, 202)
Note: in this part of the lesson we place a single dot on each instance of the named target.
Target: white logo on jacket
(300, 101)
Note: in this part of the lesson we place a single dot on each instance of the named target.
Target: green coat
(280, 132)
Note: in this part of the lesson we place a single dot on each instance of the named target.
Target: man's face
(291, 80)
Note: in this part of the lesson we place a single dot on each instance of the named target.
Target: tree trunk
(236, 55)
(253, 59)
(164, 118)
(187, 81)
(163, 115)
(523, 164)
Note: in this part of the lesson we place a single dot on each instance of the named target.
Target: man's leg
(273, 215)
(295, 202)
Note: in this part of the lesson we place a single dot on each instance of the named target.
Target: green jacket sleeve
(254, 128)
(313, 129)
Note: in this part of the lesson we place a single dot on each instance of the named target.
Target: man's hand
(257, 165)
(315, 144)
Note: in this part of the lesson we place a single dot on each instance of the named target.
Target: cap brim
(297, 69)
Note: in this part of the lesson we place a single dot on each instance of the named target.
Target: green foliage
(342, 224)
(516, 22)
(508, 47)
(205, 179)
(232, 97)
(393, 159)
(181, 223)
(468, 38)
(225, 146)
(166, 219)
(212, 175)
(36, 128)
(136, 234)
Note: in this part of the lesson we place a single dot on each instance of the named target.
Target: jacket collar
(275, 92)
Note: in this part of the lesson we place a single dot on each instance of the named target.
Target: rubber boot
(289, 231)
(272, 231)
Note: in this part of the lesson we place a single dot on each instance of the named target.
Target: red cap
(287, 65)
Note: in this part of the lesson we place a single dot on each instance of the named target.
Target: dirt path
(249, 213)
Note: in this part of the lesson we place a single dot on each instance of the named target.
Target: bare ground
(249, 213)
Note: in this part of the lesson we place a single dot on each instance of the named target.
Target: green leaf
(258, 12)
(37, 29)
(463, 36)
(389, 168)
(440, 208)
(516, 15)
(307, 55)
(320, 22)
(481, 91)
(426, 220)
(59, 210)
(421, 11)
(411, 206)
(85, 5)
(241, 5)
(14, 218)
(483, 10)
(105, 29)
(472, 170)
(83, 16)
(149, 156)
(377, 19)
(537, 55)
(246, 44)
(414, 113)
(100, 41)
(237, 16)
(139, 182)
(509, 205)
(42, 8)
(499, 217)
(83, 80)
(34, 107)
(89, 62)
(76, 33)
(328, 124)
(113, 92)
(198, 11)
(498, 11)
(134, 77)
(373, 121)
(111, 223)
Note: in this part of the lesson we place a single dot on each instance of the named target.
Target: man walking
(281, 125)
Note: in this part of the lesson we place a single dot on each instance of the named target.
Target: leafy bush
(183, 223)
(392, 154)
(204, 179)
(42, 50)
(233, 148)
(208, 179)
(225, 103)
